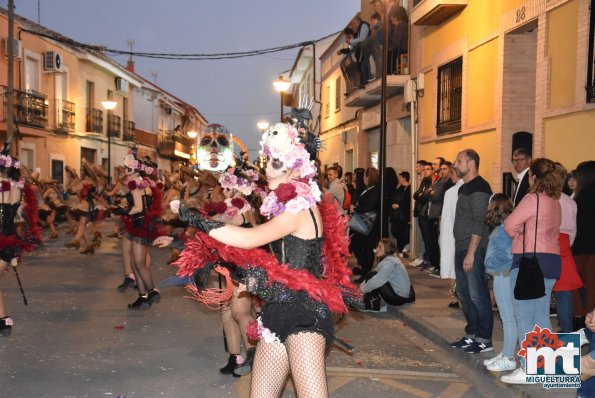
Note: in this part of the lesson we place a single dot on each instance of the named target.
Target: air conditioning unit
(17, 47)
(52, 62)
(121, 85)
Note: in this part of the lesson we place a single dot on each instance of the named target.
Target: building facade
(496, 76)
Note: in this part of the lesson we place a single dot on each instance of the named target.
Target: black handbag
(529, 284)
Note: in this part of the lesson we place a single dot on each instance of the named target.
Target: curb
(472, 361)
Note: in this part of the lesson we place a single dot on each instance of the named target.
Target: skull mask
(215, 148)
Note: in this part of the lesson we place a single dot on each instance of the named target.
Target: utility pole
(383, 99)
(10, 80)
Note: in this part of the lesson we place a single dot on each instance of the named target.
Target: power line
(175, 56)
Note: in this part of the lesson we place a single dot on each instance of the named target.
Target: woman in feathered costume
(302, 283)
(19, 229)
(139, 218)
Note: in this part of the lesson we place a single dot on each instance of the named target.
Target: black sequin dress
(7, 230)
(285, 311)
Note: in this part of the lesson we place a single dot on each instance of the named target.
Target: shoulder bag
(529, 284)
(362, 222)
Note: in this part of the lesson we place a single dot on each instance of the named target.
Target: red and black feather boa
(151, 229)
(330, 289)
(33, 236)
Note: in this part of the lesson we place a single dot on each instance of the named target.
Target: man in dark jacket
(521, 160)
(420, 210)
(436, 199)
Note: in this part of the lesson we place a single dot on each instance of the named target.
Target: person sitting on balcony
(361, 31)
(398, 39)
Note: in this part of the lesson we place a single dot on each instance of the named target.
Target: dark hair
(339, 170)
(373, 176)
(389, 248)
(422, 162)
(585, 175)
(348, 174)
(522, 152)
(359, 179)
(442, 160)
(472, 155)
(333, 168)
(405, 175)
(546, 178)
(447, 163)
(348, 31)
(376, 16)
(499, 208)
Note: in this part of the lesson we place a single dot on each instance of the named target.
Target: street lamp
(192, 134)
(281, 86)
(262, 125)
(109, 106)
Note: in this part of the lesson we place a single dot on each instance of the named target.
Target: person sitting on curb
(390, 281)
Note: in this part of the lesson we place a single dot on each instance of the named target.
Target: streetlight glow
(109, 105)
(192, 134)
(281, 85)
(262, 125)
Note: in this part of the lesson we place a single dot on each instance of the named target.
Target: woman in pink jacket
(544, 192)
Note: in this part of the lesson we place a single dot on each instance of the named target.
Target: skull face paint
(215, 148)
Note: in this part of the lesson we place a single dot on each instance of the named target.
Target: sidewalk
(431, 316)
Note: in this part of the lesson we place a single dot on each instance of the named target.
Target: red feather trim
(151, 229)
(32, 214)
(329, 290)
(214, 298)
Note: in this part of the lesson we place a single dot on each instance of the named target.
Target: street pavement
(76, 338)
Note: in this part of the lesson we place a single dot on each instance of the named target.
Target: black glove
(197, 220)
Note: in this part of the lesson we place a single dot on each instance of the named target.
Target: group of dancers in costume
(19, 229)
(295, 263)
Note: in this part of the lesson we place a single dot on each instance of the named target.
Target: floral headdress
(243, 179)
(11, 168)
(283, 143)
(133, 163)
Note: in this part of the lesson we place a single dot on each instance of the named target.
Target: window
(338, 94)
(591, 59)
(88, 154)
(450, 90)
(28, 158)
(327, 102)
(58, 170)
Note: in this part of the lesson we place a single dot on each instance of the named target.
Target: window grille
(450, 90)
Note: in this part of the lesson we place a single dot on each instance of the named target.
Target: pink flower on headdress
(228, 181)
(302, 188)
(148, 170)
(285, 192)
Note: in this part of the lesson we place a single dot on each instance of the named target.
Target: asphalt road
(76, 338)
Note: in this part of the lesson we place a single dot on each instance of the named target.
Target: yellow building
(498, 75)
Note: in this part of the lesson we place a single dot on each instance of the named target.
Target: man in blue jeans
(471, 240)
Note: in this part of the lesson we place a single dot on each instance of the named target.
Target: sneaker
(502, 364)
(454, 304)
(435, 273)
(464, 342)
(128, 282)
(153, 297)
(429, 268)
(516, 377)
(476, 347)
(583, 337)
(140, 304)
(416, 262)
(486, 362)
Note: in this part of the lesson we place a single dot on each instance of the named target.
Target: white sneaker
(583, 336)
(502, 364)
(406, 248)
(516, 377)
(486, 362)
(416, 262)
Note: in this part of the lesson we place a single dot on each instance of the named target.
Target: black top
(522, 189)
(584, 243)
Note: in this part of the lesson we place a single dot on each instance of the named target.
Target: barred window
(450, 90)
(338, 94)
(591, 59)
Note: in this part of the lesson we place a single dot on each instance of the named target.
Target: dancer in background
(18, 222)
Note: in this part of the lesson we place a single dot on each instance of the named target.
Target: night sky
(235, 93)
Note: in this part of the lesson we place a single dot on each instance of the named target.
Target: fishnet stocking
(3, 266)
(307, 362)
(233, 337)
(241, 310)
(127, 256)
(270, 370)
(142, 270)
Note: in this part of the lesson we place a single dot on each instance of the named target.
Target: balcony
(434, 12)
(30, 107)
(114, 125)
(129, 131)
(94, 121)
(175, 145)
(65, 115)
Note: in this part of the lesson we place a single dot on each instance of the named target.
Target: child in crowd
(498, 263)
(390, 281)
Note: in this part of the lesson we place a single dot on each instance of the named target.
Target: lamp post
(262, 126)
(281, 86)
(109, 106)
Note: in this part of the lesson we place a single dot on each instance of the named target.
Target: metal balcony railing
(65, 115)
(95, 121)
(114, 125)
(30, 108)
(129, 128)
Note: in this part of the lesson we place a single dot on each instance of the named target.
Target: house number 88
(520, 14)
